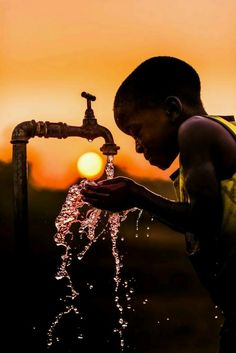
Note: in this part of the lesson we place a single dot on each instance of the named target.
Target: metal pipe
(21, 134)
(89, 130)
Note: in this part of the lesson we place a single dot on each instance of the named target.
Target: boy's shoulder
(203, 138)
(207, 128)
(197, 129)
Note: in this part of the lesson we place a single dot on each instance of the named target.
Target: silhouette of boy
(159, 105)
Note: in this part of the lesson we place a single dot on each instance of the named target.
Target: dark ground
(170, 312)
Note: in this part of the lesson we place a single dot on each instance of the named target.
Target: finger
(95, 203)
(96, 190)
(95, 194)
(107, 181)
(110, 181)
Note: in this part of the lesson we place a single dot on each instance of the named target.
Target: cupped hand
(117, 194)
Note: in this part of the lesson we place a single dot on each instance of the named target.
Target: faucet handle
(88, 96)
(89, 114)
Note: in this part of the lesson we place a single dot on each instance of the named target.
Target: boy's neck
(193, 111)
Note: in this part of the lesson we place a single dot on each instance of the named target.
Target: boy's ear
(173, 107)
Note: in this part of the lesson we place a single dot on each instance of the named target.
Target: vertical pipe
(20, 191)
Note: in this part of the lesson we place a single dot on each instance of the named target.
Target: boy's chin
(158, 164)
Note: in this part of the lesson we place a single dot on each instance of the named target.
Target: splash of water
(72, 212)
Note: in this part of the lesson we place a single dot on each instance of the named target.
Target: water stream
(87, 218)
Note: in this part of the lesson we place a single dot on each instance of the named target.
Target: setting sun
(90, 165)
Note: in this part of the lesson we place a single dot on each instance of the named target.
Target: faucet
(21, 135)
(90, 130)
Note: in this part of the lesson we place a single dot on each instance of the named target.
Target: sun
(90, 165)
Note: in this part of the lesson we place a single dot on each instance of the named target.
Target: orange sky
(51, 51)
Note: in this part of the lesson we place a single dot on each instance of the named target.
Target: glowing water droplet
(109, 168)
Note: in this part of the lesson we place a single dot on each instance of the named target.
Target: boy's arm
(122, 193)
(200, 144)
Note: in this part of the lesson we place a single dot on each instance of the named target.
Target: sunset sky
(51, 51)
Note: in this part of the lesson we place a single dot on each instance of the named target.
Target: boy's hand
(115, 195)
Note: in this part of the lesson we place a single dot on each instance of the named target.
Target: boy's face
(155, 135)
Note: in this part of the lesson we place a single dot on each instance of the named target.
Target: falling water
(71, 213)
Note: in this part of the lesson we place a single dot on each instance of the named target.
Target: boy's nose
(138, 147)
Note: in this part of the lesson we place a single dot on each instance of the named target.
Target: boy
(159, 105)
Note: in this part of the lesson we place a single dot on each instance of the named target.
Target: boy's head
(154, 80)
(146, 96)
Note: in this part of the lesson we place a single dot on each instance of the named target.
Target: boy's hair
(154, 80)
